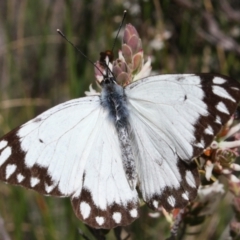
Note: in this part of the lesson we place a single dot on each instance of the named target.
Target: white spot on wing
(85, 210)
(5, 155)
(208, 130)
(155, 204)
(185, 196)
(222, 108)
(10, 169)
(218, 120)
(190, 179)
(171, 200)
(218, 80)
(34, 181)
(100, 220)
(234, 88)
(117, 217)
(48, 188)
(134, 213)
(3, 144)
(20, 177)
(199, 145)
(221, 92)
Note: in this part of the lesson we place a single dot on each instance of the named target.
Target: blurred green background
(39, 69)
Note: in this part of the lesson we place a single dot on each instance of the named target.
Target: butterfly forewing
(174, 117)
(14, 170)
(71, 150)
(40, 155)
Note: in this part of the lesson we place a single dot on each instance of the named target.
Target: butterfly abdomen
(113, 99)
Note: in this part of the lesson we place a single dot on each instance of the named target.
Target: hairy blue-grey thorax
(114, 100)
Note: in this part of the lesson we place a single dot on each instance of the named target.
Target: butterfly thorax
(114, 100)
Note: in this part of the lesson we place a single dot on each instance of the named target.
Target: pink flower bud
(129, 31)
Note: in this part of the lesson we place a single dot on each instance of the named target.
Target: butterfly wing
(72, 150)
(173, 118)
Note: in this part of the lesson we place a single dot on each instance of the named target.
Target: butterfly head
(104, 68)
(106, 56)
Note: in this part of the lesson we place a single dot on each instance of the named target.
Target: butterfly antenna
(123, 18)
(114, 43)
(62, 35)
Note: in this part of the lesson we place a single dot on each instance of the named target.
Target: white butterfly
(99, 150)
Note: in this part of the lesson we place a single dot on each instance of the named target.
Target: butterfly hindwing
(72, 150)
(105, 183)
(164, 179)
(173, 118)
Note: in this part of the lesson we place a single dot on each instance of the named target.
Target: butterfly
(103, 151)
